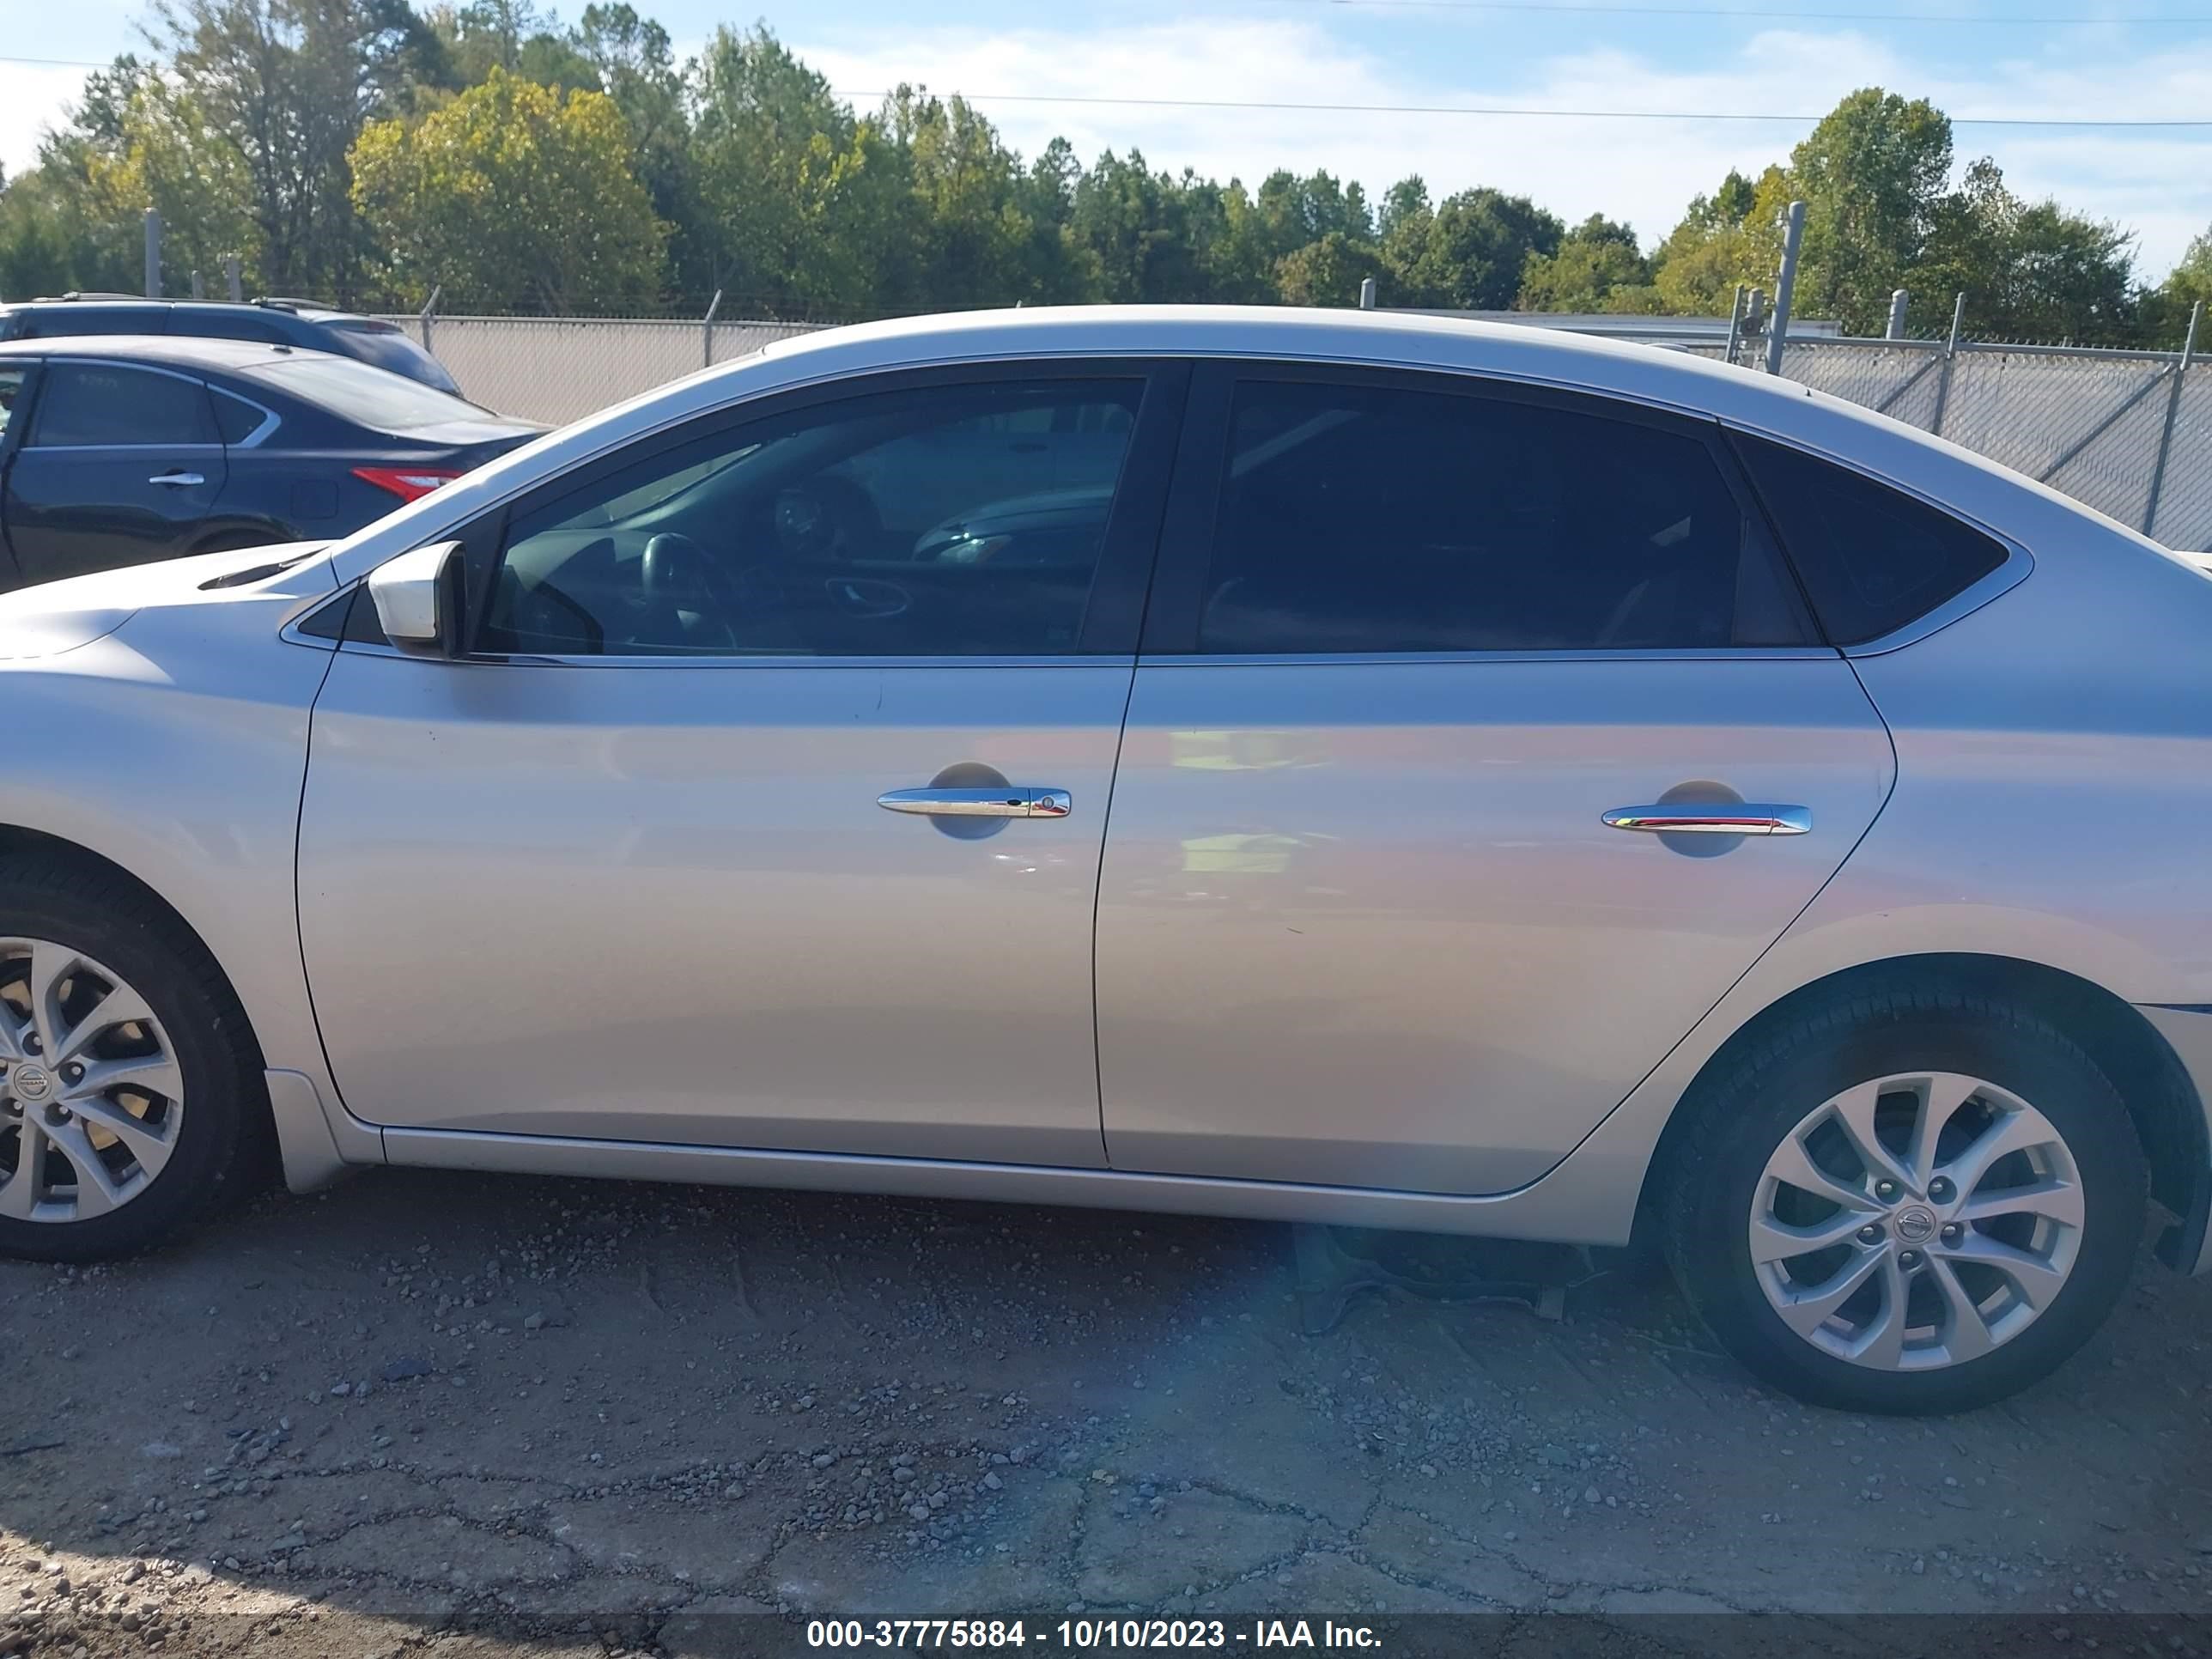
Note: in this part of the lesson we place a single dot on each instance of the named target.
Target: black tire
(1735, 1119)
(223, 1139)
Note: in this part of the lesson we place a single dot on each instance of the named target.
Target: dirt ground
(489, 1417)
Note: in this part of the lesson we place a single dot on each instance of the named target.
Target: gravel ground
(491, 1417)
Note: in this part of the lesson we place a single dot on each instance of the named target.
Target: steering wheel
(679, 575)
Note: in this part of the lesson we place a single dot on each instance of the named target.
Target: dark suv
(266, 322)
(117, 451)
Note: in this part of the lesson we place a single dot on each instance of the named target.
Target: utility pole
(152, 253)
(2173, 409)
(1785, 285)
(234, 280)
(1896, 302)
(1367, 294)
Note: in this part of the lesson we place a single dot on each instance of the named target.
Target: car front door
(120, 463)
(713, 838)
(1363, 918)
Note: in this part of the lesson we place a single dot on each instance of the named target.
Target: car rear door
(1362, 919)
(121, 463)
(710, 840)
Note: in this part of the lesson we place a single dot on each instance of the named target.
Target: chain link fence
(562, 368)
(2129, 433)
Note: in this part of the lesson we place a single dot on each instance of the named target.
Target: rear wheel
(1910, 1200)
(129, 1094)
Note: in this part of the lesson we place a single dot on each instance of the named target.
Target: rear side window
(1362, 518)
(1872, 558)
(83, 404)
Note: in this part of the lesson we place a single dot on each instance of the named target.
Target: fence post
(429, 310)
(1367, 294)
(152, 253)
(233, 280)
(1898, 298)
(1950, 355)
(1736, 323)
(706, 331)
(1785, 286)
(2173, 411)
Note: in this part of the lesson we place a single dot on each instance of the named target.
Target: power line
(1507, 110)
(1498, 110)
(1576, 7)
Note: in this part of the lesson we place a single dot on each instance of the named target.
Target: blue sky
(2006, 61)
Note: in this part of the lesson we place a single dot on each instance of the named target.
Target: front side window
(86, 405)
(958, 521)
(1359, 518)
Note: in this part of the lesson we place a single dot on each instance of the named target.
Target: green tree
(801, 205)
(2030, 271)
(61, 228)
(513, 193)
(1598, 267)
(1468, 253)
(2190, 283)
(1729, 239)
(635, 66)
(1873, 175)
(1327, 272)
(284, 86)
(162, 159)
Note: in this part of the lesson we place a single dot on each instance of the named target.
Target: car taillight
(407, 482)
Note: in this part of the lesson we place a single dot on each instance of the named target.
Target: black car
(269, 322)
(116, 450)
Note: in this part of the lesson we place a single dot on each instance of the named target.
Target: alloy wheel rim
(92, 1099)
(1917, 1221)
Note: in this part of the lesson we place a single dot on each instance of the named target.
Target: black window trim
(60, 358)
(1111, 621)
(1186, 540)
(2019, 563)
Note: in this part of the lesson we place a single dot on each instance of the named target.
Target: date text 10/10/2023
(1088, 1634)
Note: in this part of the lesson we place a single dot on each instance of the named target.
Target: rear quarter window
(1872, 558)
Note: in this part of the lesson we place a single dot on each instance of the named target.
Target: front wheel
(1911, 1200)
(130, 1089)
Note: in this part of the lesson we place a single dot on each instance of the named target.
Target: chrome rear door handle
(1692, 818)
(177, 480)
(1011, 802)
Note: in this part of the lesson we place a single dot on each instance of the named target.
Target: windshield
(360, 391)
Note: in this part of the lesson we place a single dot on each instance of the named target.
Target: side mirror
(418, 598)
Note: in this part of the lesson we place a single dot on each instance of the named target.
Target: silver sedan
(1363, 770)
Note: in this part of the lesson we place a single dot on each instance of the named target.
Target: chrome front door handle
(1011, 801)
(177, 480)
(1692, 817)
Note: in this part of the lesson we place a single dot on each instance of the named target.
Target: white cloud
(32, 99)
(2158, 184)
